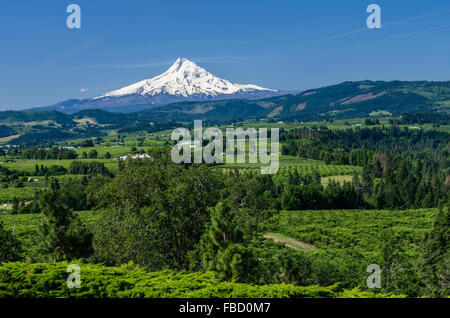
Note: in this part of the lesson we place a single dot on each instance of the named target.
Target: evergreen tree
(400, 274)
(435, 261)
(15, 203)
(10, 247)
(121, 165)
(223, 251)
(316, 177)
(84, 181)
(35, 207)
(61, 235)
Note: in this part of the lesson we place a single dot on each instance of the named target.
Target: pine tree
(35, 206)
(222, 247)
(435, 260)
(15, 203)
(10, 247)
(400, 274)
(121, 165)
(61, 235)
(316, 177)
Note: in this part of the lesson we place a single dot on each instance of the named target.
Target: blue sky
(282, 44)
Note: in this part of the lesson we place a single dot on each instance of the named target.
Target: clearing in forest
(290, 242)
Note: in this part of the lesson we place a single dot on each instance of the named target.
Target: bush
(93, 154)
(45, 280)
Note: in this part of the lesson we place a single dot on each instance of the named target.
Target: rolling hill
(345, 100)
(342, 101)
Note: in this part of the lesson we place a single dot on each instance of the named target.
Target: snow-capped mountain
(185, 78)
(183, 81)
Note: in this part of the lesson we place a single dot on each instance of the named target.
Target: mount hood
(183, 81)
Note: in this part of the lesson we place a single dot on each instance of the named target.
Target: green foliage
(92, 154)
(53, 153)
(399, 272)
(347, 229)
(222, 248)
(7, 195)
(26, 226)
(6, 131)
(61, 235)
(88, 168)
(74, 194)
(402, 168)
(153, 213)
(161, 216)
(28, 167)
(87, 143)
(315, 196)
(10, 247)
(348, 241)
(435, 261)
(48, 280)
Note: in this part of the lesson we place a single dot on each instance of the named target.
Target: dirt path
(290, 242)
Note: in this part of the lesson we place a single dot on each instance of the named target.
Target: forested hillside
(348, 194)
(419, 102)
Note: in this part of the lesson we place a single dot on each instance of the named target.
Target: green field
(27, 192)
(302, 165)
(102, 150)
(353, 229)
(323, 229)
(8, 194)
(25, 225)
(29, 165)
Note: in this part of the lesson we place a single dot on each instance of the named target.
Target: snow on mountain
(184, 81)
(185, 78)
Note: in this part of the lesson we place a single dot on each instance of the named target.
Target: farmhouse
(136, 155)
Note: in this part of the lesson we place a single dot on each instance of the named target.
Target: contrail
(388, 24)
(418, 17)
(420, 31)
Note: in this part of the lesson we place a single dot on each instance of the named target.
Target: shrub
(45, 280)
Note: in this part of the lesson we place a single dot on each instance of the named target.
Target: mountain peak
(185, 79)
(184, 68)
(182, 60)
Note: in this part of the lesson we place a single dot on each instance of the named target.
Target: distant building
(140, 154)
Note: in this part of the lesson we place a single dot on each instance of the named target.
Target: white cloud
(84, 90)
